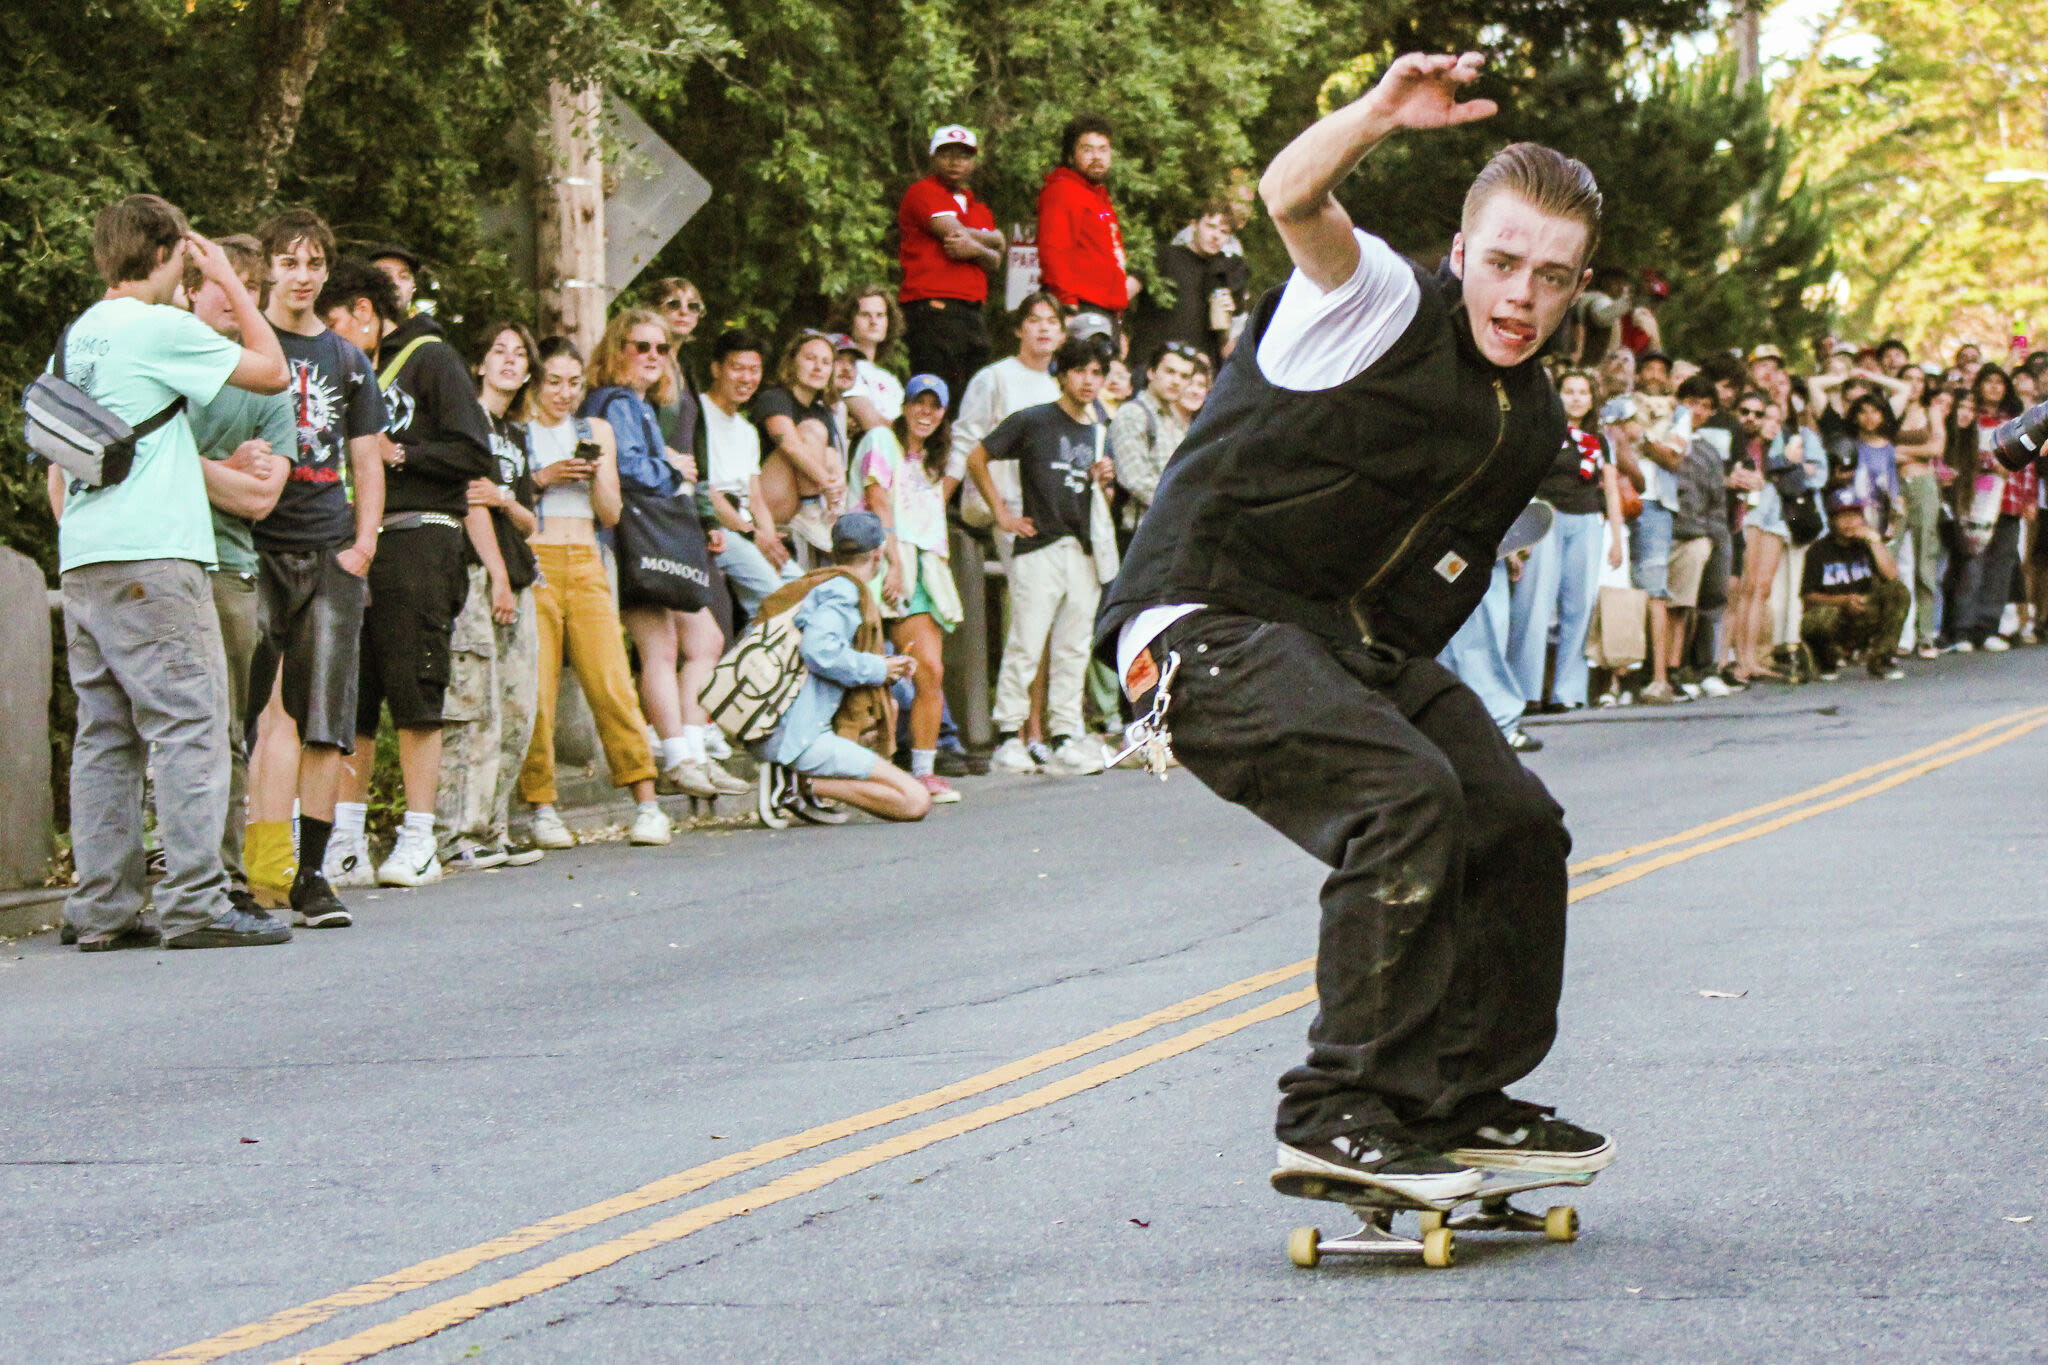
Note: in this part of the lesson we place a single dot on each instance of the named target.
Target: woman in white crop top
(578, 614)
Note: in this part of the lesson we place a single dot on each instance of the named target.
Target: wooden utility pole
(570, 218)
(1748, 32)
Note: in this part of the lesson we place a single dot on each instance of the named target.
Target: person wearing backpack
(419, 580)
(142, 639)
(841, 643)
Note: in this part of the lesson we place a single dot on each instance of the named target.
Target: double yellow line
(1642, 859)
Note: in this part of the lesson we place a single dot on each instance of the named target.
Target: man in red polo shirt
(950, 244)
(1080, 243)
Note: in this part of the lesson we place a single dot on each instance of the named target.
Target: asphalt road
(1831, 1157)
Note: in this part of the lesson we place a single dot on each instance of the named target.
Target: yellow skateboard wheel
(1439, 1248)
(1561, 1223)
(1305, 1247)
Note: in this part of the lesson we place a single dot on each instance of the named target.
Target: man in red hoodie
(1080, 245)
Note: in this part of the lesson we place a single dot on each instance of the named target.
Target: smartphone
(589, 451)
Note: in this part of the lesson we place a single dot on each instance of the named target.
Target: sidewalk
(40, 910)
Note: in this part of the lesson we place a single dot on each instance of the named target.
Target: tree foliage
(809, 117)
(1901, 108)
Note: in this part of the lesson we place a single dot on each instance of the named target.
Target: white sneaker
(1012, 757)
(550, 832)
(1962, 647)
(348, 861)
(705, 779)
(1077, 756)
(715, 746)
(1690, 691)
(1713, 686)
(1996, 644)
(412, 861)
(650, 827)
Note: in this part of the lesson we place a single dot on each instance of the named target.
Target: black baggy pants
(1441, 954)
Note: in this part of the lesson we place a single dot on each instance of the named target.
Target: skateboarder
(1320, 535)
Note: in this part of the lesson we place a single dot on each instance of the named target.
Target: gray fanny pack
(71, 429)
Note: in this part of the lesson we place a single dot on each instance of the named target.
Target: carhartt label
(1449, 567)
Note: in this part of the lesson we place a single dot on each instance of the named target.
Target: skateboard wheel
(1429, 1221)
(1439, 1248)
(1561, 1223)
(1305, 1247)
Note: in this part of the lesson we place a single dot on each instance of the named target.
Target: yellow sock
(268, 856)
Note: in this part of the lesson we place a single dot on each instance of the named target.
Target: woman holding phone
(576, 469)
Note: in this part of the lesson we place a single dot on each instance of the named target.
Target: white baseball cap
(953, 134)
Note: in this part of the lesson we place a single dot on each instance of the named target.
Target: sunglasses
(643, 347)
(691, 306)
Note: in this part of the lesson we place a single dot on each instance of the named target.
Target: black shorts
(418, 582)
(309, 617)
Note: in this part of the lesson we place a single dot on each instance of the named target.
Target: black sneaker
(138, 935)
(1522, 742)
(232, 930)
(1534, 1140)
(315, 905)
(1386, 1157)
(951, 763)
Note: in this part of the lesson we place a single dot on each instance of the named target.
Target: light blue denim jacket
(828, 617)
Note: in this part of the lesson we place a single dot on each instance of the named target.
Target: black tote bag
(662, 558)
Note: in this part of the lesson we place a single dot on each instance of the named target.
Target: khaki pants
(1053, 594)
(578, 618)
(487, 716)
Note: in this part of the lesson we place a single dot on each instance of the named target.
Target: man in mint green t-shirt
(142, 640)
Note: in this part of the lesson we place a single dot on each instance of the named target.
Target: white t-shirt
(732, 451)
(135, 359)
(878, 386)
(996, 391)
(1314, 341)
(1318, 341)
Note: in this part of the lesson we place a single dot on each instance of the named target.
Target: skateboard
(1528, 529)
(1435, 1239)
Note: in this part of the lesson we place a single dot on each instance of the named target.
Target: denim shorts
(831, 755)
(1649, 549)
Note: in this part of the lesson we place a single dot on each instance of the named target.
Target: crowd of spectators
(348, 520)
(1727, 522)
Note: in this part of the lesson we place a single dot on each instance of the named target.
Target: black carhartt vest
(1372, 510)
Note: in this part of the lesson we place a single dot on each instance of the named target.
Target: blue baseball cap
(1843, 499)
(931, 384)
(855, 533)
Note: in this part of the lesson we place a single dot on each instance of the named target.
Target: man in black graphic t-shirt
(419, 583)
(316, 552)
(1061, 449)
(1851, 594)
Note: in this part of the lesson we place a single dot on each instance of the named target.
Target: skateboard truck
(1435, 1239)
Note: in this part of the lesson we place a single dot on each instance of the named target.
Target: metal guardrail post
(967, 649)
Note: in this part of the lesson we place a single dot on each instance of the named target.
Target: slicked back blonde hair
(1546, 180)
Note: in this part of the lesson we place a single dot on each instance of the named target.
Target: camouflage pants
(487, 717)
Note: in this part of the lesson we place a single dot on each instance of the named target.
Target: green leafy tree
(1901, 109)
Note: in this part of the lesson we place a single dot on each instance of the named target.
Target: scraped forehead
(1509, 224)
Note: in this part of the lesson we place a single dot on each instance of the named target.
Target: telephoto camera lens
(2019, 442)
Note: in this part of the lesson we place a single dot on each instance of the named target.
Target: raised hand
(1420, 90)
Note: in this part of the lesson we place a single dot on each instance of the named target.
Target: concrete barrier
(26, 828)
